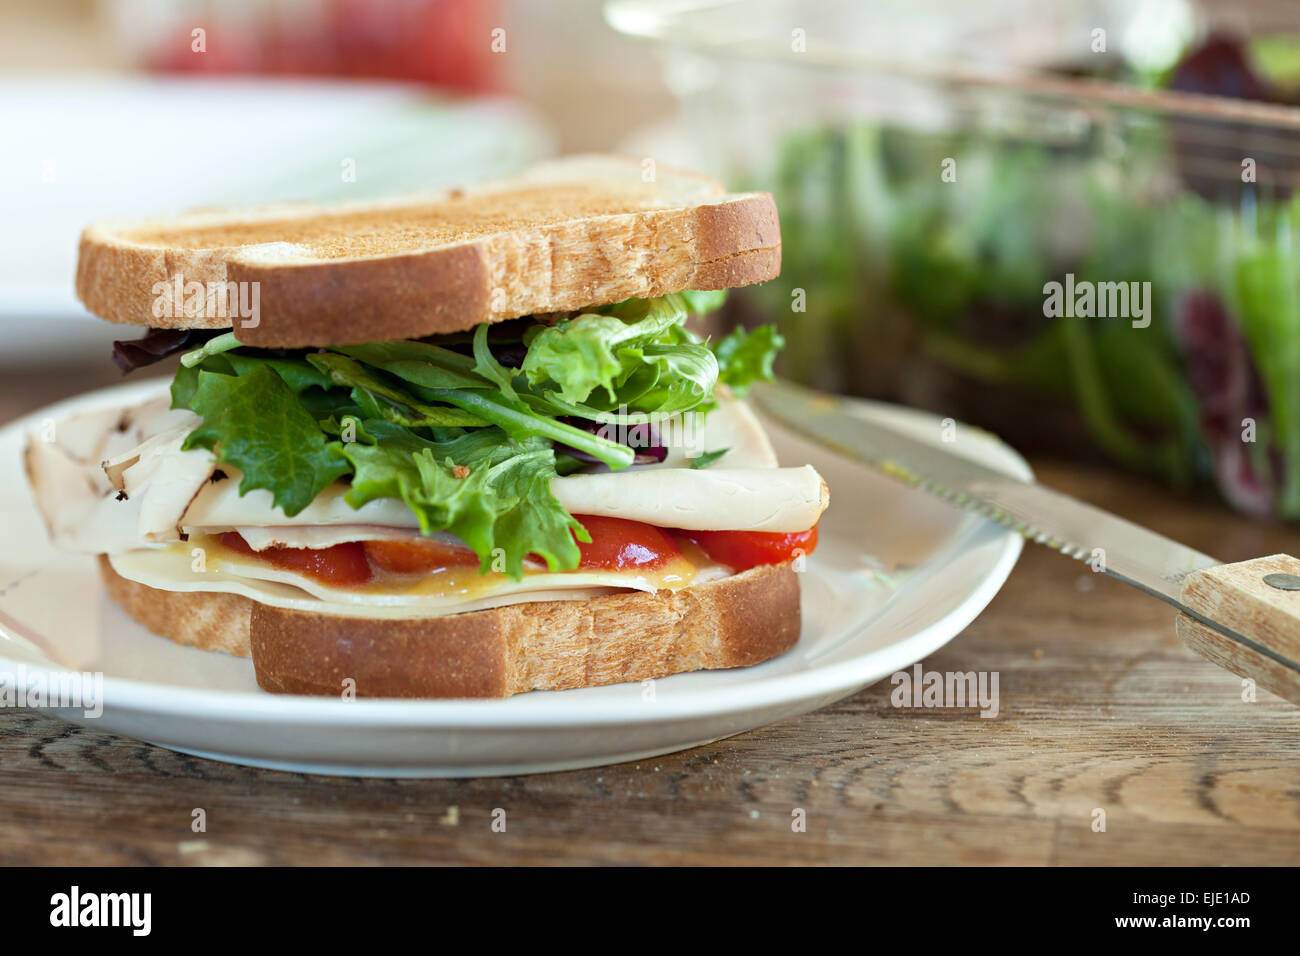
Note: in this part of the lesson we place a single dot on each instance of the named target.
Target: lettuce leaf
(388, 401)
(688, 371)
(469, 443)
(702, 303)
(256, 423)
(297, 374)
(746, 357)
(502, 507)
(598, 350)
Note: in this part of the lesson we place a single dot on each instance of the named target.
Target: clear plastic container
(938, 168)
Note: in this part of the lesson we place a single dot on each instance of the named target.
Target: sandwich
(468, 444)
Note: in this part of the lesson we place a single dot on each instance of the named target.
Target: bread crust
(421, 277)
(547, 645)
(208, 620)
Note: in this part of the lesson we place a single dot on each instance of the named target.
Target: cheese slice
(165, 574)
(203, 564)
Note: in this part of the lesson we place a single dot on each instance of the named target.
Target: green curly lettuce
(468, 442)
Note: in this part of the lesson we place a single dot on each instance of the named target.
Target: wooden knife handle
(1258, 599)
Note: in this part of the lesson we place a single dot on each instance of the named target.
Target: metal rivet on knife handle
(1283, 582)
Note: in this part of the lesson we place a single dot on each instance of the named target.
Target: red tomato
(343, 565)
(617, 543)
(418, 555)
(743, 550)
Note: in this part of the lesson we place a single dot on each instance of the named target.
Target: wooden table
(1101, 708)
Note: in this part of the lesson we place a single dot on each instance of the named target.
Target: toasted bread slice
(576, 232)
(546, 645)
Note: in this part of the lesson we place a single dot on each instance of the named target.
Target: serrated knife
(1244, 617)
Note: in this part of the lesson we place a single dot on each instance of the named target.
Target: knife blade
(1235, 602)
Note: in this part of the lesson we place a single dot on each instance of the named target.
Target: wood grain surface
(1101, 709)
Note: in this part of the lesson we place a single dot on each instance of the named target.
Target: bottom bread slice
(546, 645)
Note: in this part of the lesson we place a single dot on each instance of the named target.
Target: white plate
(77, 149)
(944, 565)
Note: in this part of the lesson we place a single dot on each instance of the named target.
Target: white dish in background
(81, 149)
(945, 566)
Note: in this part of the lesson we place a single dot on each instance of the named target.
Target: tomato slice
(343, 565)
(617, 543)
(743, 550)
(418, 555)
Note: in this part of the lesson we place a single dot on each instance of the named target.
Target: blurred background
(935, 165)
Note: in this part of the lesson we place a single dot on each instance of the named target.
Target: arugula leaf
(419, 362)
(256, 423)
(707, 458)
(382, 353)
(485, 364)
(483, 405)
(389, 402)
(297, 374)
(524, 424)
(336, 426)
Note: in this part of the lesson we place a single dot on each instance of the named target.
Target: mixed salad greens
(920, 289)
(467, 429)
